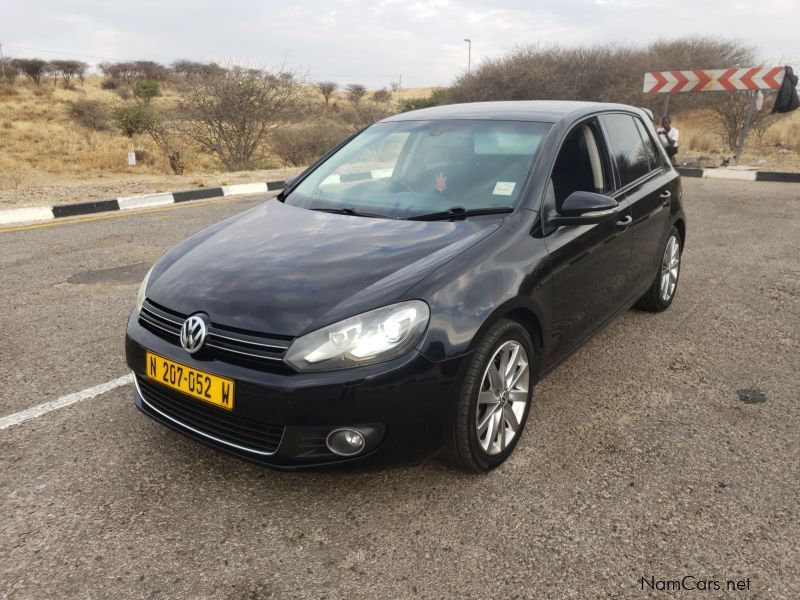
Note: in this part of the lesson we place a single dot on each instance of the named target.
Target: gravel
(640, 465)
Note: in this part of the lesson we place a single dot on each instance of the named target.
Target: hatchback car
(401, 297)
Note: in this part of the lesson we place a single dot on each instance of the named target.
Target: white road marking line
(42, 409)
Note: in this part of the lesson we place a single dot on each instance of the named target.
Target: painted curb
(35, 214)
(737, 175)
(775, 176)
(23, 215)
(244, 188)
(144, 201)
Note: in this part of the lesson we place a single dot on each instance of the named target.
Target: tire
(658, 298)
(476, 452)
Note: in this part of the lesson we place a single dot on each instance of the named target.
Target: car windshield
(409, 168)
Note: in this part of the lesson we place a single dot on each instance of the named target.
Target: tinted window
(652, 152)
(579, 165)
(627, 147)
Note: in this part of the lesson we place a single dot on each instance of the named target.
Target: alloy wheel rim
(502, 398)
(670, 266)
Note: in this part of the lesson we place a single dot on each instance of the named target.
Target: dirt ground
(51, 190)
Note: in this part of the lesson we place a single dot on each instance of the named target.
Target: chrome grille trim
(246, 340)
(223, 349)
(220, 340)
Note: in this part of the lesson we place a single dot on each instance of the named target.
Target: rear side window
(653, 154)
(627, 147)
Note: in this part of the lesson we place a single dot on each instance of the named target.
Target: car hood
(285, 270)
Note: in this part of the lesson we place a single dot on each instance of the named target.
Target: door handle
(625, 222)
(665, 197)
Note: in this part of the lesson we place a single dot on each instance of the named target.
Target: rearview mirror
(585, 208)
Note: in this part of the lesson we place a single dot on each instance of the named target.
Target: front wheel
(662, 291)
(495, 399)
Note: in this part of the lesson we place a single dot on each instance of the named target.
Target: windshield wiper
(458, 212)
(351, 212)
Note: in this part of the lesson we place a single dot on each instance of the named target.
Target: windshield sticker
(504, 188)
(441, 182)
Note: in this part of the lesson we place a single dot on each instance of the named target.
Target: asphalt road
(640, 459)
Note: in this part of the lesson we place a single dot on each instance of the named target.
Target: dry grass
(38, 142)
(37, 137)
(40, 146)
(778, 148)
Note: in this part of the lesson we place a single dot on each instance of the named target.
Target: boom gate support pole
(745, 128)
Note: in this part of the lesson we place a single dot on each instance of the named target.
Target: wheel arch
(525, 316)
(680, 225)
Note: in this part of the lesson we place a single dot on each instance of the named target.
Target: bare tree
(327, 88)
(301, 144)
(355, 92)
(190, 68)
(602, 73)
(382, 96)
(763, 123)
(730, 113)
(167, 131)
(368, 112)
(230, 114)
(151, 71)
(33, 68)
(8, 74)
(91, 114)
(69, 69)
(132, 72)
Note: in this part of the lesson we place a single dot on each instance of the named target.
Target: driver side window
(580, 165)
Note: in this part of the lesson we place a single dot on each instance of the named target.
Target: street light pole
(469, 54)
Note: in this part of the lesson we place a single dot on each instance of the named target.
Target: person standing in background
(668, 136)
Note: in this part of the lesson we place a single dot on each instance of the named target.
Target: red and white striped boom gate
(716, 80)
(713, 80)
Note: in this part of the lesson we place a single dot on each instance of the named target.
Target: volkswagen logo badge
(193, 333)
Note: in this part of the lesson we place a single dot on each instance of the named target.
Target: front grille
(222, 425)
(226, 343)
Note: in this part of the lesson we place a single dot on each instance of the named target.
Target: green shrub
(131, 119)
(435, 99)
(146, 90)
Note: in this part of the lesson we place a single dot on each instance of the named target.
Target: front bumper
(409, 403)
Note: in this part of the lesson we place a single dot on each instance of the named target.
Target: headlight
(373, 337)
(142, 292)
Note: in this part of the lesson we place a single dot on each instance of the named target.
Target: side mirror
(586, 208)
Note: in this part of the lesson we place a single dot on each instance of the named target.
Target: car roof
(544, 111)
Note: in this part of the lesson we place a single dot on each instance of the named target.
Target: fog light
(345, 442)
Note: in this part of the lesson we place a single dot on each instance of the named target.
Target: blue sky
(375, 42)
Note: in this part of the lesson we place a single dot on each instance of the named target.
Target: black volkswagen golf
(401, 297)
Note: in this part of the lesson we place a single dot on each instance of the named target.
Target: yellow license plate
(197, 384)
